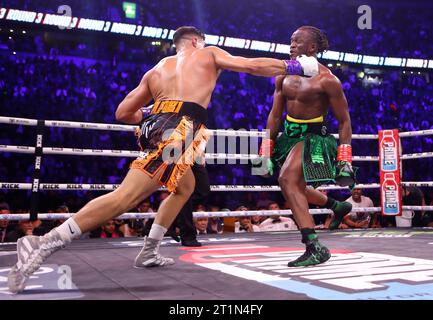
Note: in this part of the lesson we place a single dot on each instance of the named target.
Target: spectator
(244, 225)
(201, 225)
(3, 204)
(41, 227)
(244, 222)
(200, 208)
(256, 220)
(276, 222)
(3, 225)
(44, 226)
(145, 206)
(358, 219)
(215, 224)
(133, 228)
(24, 228)
(411, 196)
(109, 230)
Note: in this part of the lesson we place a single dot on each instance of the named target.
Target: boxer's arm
(128, 110)
(337, 99)
(275, 117)
(273, 125)
(266, 67)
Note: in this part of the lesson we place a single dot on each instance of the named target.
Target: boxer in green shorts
(319, 151)
(305, 152)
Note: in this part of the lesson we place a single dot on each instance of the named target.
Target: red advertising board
(389, 166)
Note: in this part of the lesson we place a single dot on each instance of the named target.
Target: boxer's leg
(171, 206)
(135, 187)
(149, 255)
(340, 208)
(32, 251)
(293, 187)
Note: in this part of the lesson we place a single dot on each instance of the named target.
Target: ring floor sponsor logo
(48, 283)
(346, 276)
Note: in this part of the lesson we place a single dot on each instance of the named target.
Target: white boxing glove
(310, 65)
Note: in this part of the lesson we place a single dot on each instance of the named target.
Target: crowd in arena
(394, 23)
(82, 81)
(11, 231)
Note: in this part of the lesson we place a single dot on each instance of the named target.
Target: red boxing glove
(267, 148)
(344, 153)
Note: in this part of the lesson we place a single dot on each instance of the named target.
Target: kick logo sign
(346, 276)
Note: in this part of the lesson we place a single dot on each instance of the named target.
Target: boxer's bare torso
(190, 75)
(306, 98)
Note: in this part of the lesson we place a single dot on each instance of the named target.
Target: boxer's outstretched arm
(275, 117)
(128, 110)
(266, 67)
(337, 99)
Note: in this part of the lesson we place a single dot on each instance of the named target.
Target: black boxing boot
(315, 252)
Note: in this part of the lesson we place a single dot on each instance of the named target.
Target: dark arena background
(65, 66)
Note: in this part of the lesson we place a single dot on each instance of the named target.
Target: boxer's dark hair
(182, 31)
(318, 37)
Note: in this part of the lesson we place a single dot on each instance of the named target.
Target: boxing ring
(365, 264)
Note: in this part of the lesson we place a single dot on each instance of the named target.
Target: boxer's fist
(263, 165)
(310, 65)
(345, 175)
(302, 66)
(267, 148)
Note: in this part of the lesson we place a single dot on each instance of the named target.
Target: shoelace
(29, 266)
(56, 244)
(157, 258)
(38, 255)
(161, 260)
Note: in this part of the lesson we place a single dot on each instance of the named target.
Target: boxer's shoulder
(327, 78)
(279, 81)
(323, 70)
(210, 49)
(167, 59)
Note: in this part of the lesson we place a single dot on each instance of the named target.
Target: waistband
(296, 129)
(314, 120)
(183, 108)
